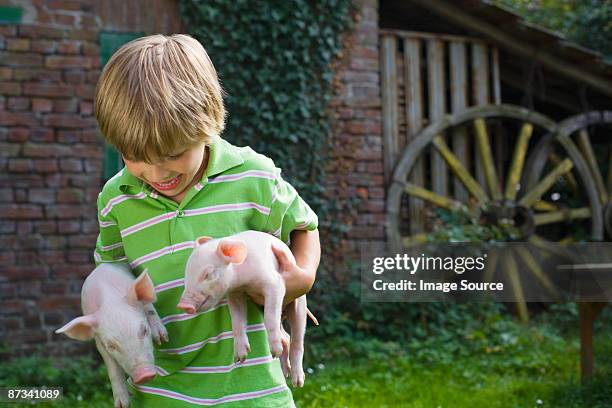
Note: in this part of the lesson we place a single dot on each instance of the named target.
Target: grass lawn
(535, 365)
(545, 376)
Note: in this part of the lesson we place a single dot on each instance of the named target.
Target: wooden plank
(413, 95)
(428, 36)
(459, 85)
(437, 109)
(496, 77)
(389, 104)
(480, 92)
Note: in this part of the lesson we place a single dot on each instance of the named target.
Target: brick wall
(357, 166)
(51, 160)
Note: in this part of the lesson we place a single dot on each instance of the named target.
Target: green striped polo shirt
(240, 190)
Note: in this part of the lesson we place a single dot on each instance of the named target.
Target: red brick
(25, 272)
(18, 119)
(70, 195)
(86, 91)
(10, 211)
(21, 59)
(45, 227)
(68, 226)
(91, 136)
(64, 19)
(73, 270)
(65, 105)
(27, 257)
(68, 136)
(10, 88)
(90, 227)
(74, 76)
(45, 165)
(56, 288)
(20, 165)
(6, 73)
(64, 5)
(68, 121)
(45, 46)
(90, 49)
(83, 241)
(17, 134)
(9, 149)
(17, 44)
(46, 150)
(79, 256)
(21, 194)
(60, 302)
(93, 166)
(71, 165)
(37, 31)
(8, 30)
(64, 211)
(40, 89)
(42, 105)
(42, 135)
(18, 104)
(42, 195)
(70, 47)
(28, 74)
(86, 108)
(56, 61)
(56, 241)
(53, 319)
(93, 76)
(7, 258)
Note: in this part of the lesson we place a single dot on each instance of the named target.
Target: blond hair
(158, 95)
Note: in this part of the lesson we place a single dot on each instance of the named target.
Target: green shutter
(109, 43)
(11, 15)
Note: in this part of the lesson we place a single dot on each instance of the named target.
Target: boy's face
(172, 175)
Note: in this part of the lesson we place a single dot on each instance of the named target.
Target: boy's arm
(306, 249)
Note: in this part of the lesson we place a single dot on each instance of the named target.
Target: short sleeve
(109, 246)
(288, 211)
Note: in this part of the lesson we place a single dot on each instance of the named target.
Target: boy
(159, 102)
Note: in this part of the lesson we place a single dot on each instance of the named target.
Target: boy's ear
(232, 250)
(203, 240)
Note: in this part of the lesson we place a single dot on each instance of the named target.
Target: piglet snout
(143, 374)
(186, 307)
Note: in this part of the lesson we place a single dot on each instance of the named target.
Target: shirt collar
(223, 156)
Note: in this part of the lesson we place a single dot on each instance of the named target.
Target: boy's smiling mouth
(169, 185)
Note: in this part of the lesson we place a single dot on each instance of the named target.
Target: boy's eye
(175, 157)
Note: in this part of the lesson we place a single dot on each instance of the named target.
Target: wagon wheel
(591, 132)
(493, 195)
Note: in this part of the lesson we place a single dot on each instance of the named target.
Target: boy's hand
(298, 278)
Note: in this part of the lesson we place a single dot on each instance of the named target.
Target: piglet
(248, 262)
(118, 313)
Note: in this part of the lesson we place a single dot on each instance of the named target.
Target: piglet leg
(273, 305)
(117, 378)
(284, 358)
(296, 316)
(238, 310)
(158, 330)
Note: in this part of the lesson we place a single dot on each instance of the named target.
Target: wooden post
(588, 313)
(389, 104)
(458, 76)
(437, 109)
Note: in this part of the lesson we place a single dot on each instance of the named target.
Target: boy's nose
(155, 174)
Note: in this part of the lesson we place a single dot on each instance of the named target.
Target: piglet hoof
(297, 378)
(276, 348)
(286, 366)
(241, 352)
(122, 401)
(159, 332)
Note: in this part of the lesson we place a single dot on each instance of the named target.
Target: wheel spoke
(515, 283)
(562, 215)
(534, 267)
(437, 199)
(543, 205)
(484, 149)
(459, 170)
(516, 168)
(547, 245)
(546, 183)
(491, 266)
(415, 239)
(584, 141)
(569, 177)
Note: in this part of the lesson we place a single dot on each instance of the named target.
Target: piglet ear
(82, 328)
(142, 290)
(232, 250)
(203, 240)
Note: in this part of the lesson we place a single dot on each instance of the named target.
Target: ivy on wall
(276, 60)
